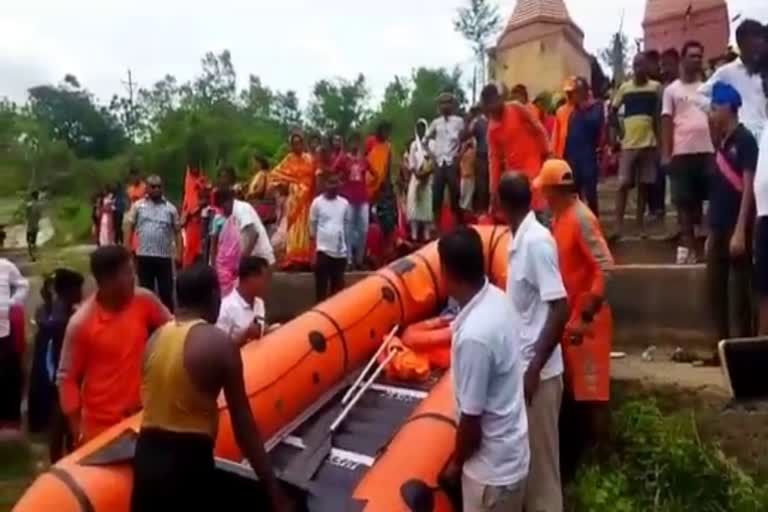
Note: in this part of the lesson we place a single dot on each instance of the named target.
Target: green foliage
(661, 464)
(478, 22)
(63, 139)
(338, 106)
(70, 115)
(616, 56)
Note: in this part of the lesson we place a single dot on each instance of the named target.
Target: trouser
(329, 275)
(172, 471)
(446, 176)
(10, 383)
(358, 233)
(117, 221)
(479, 497)
(156, 274)
(60, 441)
(482, 185)
(544, 492)
(730, 288)
(583, 426)
(585, 176)
(657, 193)
(32, 241)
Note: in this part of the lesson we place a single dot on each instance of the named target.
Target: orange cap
(554, 173)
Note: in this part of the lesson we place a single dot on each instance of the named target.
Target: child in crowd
(355, 193)
(329, 220)
(68, 288)
(41, 389)
(467, 174)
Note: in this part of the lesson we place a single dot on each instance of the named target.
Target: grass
(16, 471)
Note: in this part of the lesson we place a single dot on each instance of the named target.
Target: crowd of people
(522, 359)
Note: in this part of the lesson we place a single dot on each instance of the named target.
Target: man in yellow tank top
(187, 364)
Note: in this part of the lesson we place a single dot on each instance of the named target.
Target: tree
(478, 22)
(616, 56)
(258, 100)
(287, 111)
(338, 105)
(218, 81)
(70, 115)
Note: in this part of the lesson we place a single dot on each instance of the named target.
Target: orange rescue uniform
(135, 192)
(101, 360)
(193, 230)
(585, 264)
(560, 134)
(517, 142)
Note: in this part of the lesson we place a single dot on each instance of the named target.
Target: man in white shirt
(492, 454)
(761, 233)
(254, 238)
(242, 314)
(329, 220)
(743, 74)
(447, 132)
(13, 290)
(540, 311)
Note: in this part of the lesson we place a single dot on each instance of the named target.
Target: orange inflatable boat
(348, 442)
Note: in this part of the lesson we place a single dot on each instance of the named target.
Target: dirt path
(662, 371)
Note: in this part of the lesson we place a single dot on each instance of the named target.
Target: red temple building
(670, 23)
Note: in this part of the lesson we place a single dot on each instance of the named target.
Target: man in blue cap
(731, 216)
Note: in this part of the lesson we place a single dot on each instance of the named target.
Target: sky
(290, 44)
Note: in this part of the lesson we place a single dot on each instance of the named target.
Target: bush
(661, 464)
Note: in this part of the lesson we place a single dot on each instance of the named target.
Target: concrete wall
(652, 304)
(710, 27)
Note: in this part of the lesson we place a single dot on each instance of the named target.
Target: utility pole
(130, 120)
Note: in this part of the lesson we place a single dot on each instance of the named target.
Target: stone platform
(652, 303)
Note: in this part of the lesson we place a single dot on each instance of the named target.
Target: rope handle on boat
(393, 351)
(368, 366)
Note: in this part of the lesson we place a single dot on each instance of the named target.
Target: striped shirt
(156, 225)
(13, 290)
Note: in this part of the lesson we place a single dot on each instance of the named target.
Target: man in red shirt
(516, 141)
(99, 376)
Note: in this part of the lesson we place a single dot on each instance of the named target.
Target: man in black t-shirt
(731, 216)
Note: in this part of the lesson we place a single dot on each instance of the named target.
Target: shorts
(761, 257)
(638, 166)
(689, 176)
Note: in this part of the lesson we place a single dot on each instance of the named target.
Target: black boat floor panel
(366, 430)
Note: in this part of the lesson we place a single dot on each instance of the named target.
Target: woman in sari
(106, 219)
(296, 173)
(419, 196)
(381, 190)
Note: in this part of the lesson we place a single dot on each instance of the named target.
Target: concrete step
(659, 304)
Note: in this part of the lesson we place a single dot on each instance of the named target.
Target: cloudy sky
(288, 43)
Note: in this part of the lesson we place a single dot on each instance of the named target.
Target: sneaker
(682, 256)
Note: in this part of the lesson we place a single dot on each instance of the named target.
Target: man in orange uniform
(99, 376)
(563, 118)
(585, 264)
(136, 190)
(191, 216)
(516, 141)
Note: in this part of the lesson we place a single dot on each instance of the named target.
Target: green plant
(661, 464)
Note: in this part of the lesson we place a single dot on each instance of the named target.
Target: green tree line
(64, 139)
